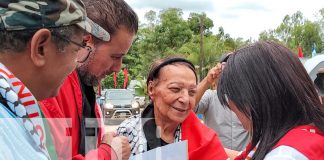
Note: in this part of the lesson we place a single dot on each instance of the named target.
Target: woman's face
(173, 93)
(246, 122)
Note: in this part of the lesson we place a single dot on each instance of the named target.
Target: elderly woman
(172, 84)
(270, 91)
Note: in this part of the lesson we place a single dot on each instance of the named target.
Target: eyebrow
(180, 83)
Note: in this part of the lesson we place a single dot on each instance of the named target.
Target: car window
(119, 95)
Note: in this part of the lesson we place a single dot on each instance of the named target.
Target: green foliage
(108, 82)
(195, 20)
(167, 33)
(141, 88)
(295, 30)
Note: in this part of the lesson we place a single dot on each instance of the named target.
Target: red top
(306, 139)
(68, 107)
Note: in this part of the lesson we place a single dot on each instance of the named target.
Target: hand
(214, 74)
(118, 143)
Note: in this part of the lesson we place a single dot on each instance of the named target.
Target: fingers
(214, 73)
(121, 146)
(108, 137)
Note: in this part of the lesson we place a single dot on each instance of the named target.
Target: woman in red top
(270, 91)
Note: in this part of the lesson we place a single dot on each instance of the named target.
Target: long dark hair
(269, 85)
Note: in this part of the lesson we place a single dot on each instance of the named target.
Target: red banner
(125, 77)
(115, 79)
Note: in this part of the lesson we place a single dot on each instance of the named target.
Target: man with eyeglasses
(76, 99)
(34, 61)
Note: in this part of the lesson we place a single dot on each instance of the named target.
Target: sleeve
(204, 103)
(104, 152)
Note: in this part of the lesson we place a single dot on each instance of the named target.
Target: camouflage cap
(35, 14)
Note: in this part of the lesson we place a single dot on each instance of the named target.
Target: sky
(239, 18)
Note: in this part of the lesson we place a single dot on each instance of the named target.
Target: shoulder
(210, 93)
(72, 80)
(285, 153)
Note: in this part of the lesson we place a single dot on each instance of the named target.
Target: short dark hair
(111, 14)
(269, 85)
(157, 65)
(17, 41)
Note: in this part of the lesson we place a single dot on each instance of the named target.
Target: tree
(269, 35)
(167, 33)
(294, 31)
(194, 21)
(173, 31)
(310, 36)
(151, 17)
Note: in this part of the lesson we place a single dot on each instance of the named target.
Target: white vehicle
(313, 64)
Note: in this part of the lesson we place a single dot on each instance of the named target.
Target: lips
(179, 109)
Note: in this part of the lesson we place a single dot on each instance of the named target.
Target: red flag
(115, 80)
(125, 77)
(300, 52)
(99, 90)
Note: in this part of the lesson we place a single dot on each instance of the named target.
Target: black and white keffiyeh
(142, 132)
(20, 101)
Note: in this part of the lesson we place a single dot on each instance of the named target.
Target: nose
(184, 97)
(116, 66)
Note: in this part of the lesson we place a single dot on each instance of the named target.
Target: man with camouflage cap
(39, 43)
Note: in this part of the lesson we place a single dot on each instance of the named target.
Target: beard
(89, 78)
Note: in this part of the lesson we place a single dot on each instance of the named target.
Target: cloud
(185, 5)
(240, 18)
(229, 16)
(249, 6)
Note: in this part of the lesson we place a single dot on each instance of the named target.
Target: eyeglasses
(82, 57)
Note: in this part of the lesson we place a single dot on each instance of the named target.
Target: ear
(40, 47)
(150, 90)
(88, 40)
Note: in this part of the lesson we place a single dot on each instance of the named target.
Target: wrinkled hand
(214, 74)
(118, 143)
